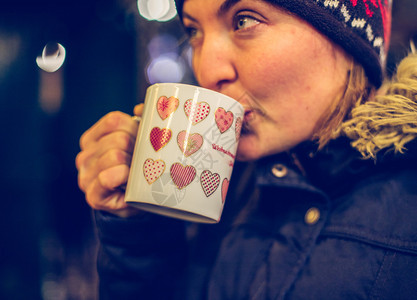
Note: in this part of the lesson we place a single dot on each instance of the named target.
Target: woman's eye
(194, 35)
(244, 22)
(191, 32)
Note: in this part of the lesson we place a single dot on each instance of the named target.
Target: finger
(115, 141)
(112, 150)
(119, 140)
(114, 121)
(138, 110)
(84, 179)
(100, 198)
(87, 171)
(112, 158)
(114, 177)
(86, 174)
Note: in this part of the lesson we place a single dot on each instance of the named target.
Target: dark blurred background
(112, 53)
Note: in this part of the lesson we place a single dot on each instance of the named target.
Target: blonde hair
(389, 120)
(372, 119)
(357, 89)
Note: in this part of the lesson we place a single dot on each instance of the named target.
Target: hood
(389, 121)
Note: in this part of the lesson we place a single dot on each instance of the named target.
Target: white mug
(184, 153)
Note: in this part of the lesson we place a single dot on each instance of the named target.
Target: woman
(326, 206)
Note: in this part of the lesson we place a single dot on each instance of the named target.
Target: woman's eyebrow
(226, 5)
(223, 9)
(187, 16)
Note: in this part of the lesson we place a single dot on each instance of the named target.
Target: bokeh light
(10, 47)
(166, 68)
(162, 44)
(52, 58)
(165, 65)
(157, 10)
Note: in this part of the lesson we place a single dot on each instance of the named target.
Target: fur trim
(388, 121)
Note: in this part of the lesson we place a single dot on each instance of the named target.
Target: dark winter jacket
(306, 224)
(345, 229)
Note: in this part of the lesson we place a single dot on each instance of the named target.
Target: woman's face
(283, 71)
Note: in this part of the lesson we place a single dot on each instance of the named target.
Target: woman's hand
(104, 161)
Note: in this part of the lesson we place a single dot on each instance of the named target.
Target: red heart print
(160, 137)
(166, 106)
(223, 119)
(196, 112)
(238, 127)
(153, 169)
(189, 143)
(225, 186)
(209, 182)
(182, 175)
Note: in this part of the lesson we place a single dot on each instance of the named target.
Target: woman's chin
(247, 149)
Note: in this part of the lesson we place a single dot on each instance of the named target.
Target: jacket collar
(337, 166)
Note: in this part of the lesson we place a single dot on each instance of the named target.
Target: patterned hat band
(361, 27)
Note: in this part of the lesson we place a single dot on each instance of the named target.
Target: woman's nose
(213, 64)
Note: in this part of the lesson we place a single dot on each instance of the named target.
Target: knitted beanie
(361, 27)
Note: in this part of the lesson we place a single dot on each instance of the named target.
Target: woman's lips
(249, 115)
(248, 118)
(253, 113)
